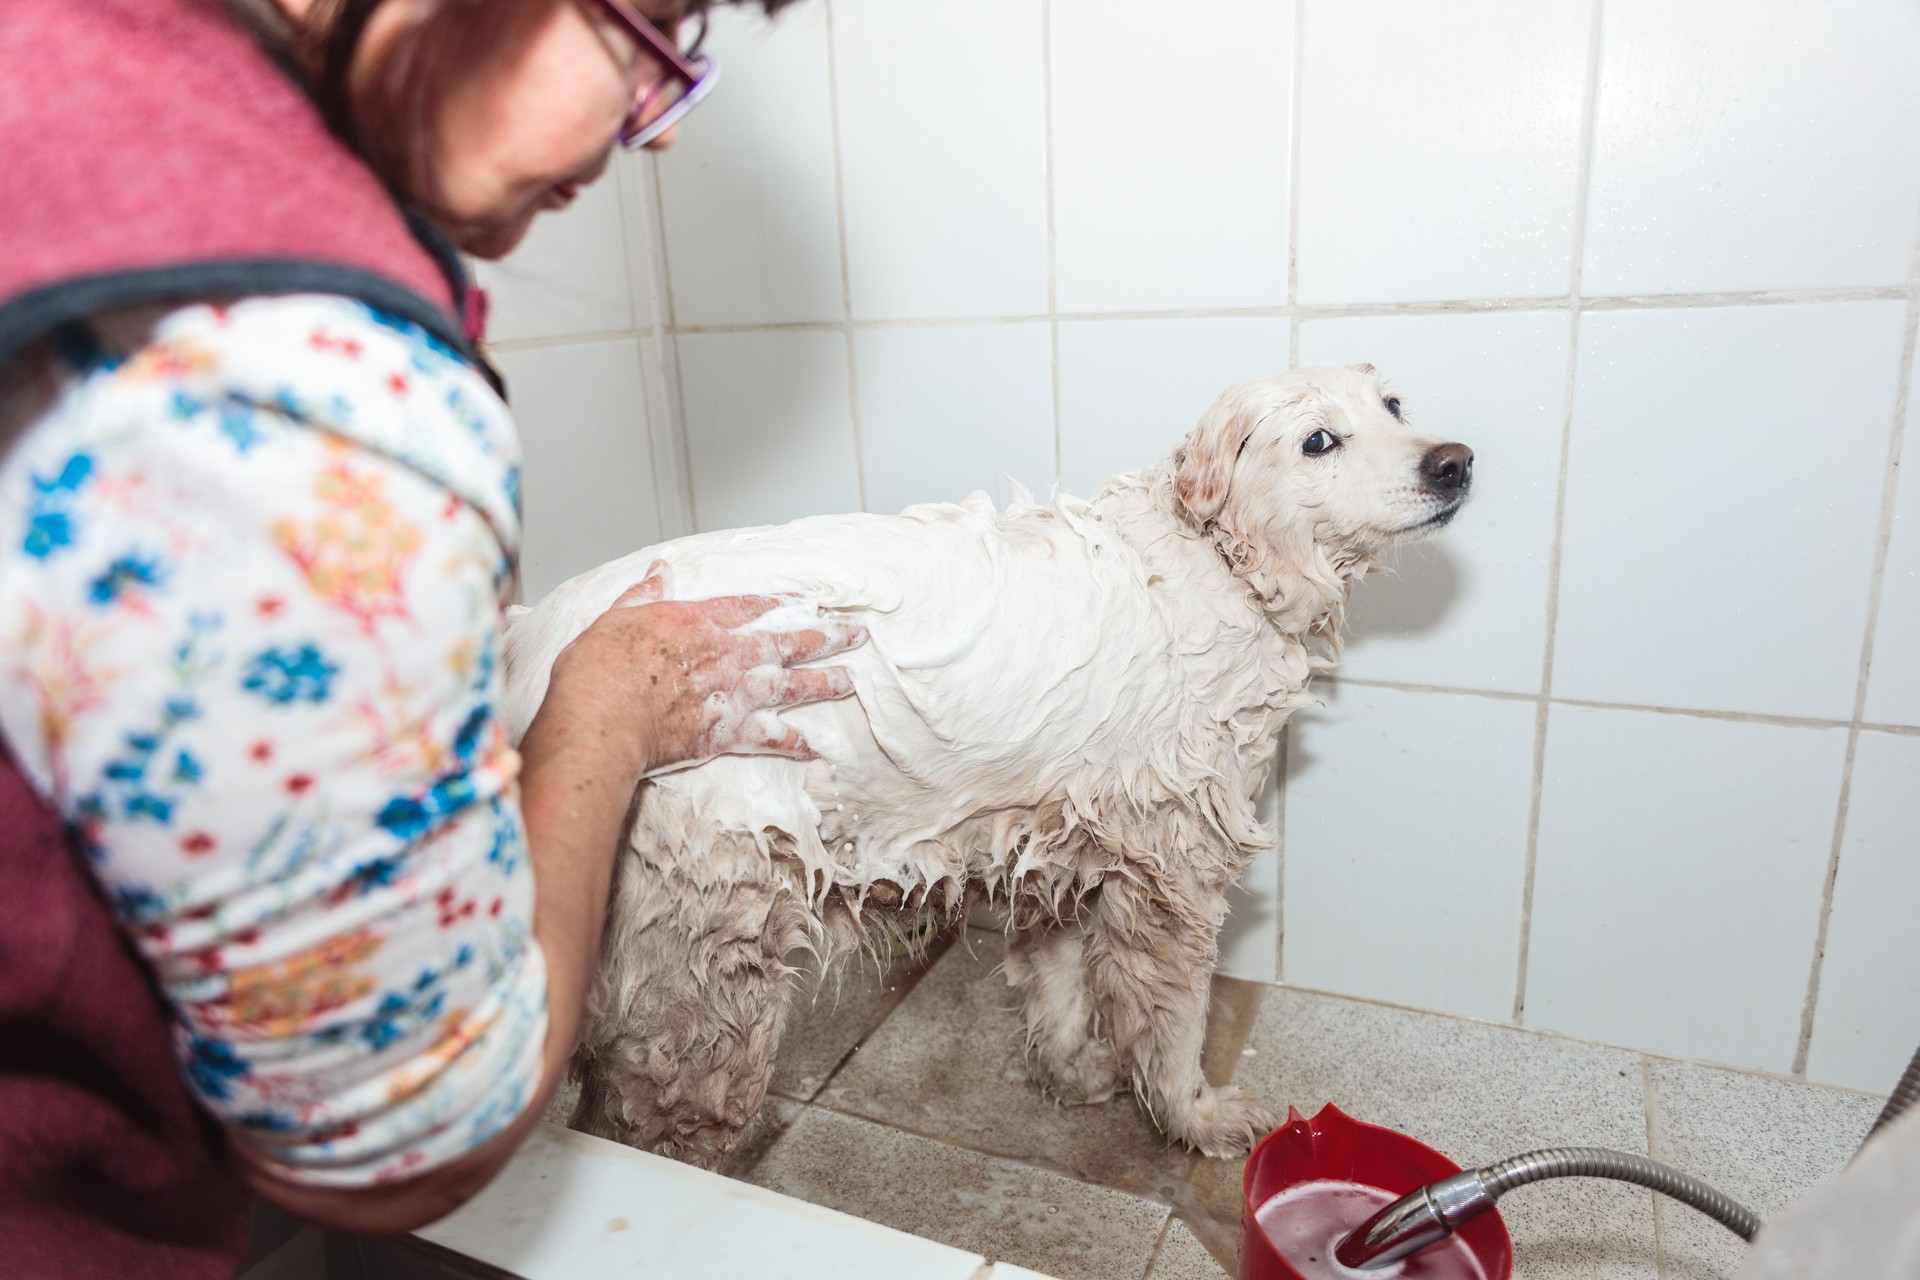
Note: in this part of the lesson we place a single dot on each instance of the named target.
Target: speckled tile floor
(902, 1097)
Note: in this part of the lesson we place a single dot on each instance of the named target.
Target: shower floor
(901, 1098)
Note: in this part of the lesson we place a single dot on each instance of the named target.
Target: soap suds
(1033, 676)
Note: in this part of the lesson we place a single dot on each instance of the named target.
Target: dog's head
(1305, 478)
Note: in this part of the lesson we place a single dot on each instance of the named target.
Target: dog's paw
(1224, 1123)
(1089, 1075)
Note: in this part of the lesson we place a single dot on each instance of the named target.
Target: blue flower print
(396, 1016)
(404, 817)
(137, 902)
(410, 817)
(467, 741)
(131, 775)
(282, 676)
(387, 320)
(237, 419)
(508, 847)
(50, 523)
(187, 767)
(512, 484)
(122, 577)
(376, 874)
(211, 1064)
(267, 1122)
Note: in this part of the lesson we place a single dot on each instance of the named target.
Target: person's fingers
(649, 590)
(817, 684)
(765, 733)
(833, 635)
(763, 686)
(736, 611)
(775, 687)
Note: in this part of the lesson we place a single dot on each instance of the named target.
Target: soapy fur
(1066, 708)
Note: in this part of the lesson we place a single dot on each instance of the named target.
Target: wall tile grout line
(1298, 95)
(1280, 855)
(1810, 1003)
(1311, 311)
(1582, 198)
(1293, 184)
(1053, 276)
(846, 325)
(512, 345)
(1889, 502)
(1697, 713)
(620, 197)
(673, 342)
(630, 206)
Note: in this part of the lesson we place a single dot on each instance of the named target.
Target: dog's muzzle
(1447, 470)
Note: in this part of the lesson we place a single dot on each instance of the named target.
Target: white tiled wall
(581, 403)
(945, 410)
(1678, 879)
(751, 214)
(1182, 230)
(1407, 836)
(1439, 148)
(1754, 144)
(1633, 752)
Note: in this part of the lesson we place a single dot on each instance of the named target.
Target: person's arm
(647, 686)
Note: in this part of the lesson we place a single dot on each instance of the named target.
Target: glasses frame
(698, 72)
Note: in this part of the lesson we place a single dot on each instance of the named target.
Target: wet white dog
(1069, 709)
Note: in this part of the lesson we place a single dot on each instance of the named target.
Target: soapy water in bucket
(1306, 1223)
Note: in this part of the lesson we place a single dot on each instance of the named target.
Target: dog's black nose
(1447, 466)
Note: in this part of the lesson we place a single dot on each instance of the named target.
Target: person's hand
(681, 681)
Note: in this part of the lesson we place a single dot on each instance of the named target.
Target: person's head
(484, 113)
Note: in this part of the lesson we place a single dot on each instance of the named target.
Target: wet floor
(902, 1097)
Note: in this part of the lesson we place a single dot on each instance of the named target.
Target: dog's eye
(1319, 442)
(1393, 405)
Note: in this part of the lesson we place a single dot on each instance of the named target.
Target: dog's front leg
(1150, 951)
(684, 1015)
(1064, 1057)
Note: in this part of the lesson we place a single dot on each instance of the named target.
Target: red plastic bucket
(1333, 1145)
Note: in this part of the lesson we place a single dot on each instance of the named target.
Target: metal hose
(1429, 1214)
(1598, 1162)
(1905, 1094)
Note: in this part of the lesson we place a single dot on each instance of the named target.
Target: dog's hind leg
(1150, 951)
(1064, 1056)
(684, 1015)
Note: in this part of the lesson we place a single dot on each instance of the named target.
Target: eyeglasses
(687, 75)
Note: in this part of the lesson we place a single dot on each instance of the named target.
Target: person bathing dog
(308, 850)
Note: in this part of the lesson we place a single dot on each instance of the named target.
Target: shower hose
(1431, 1213)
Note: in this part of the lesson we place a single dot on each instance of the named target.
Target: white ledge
(571, 1206)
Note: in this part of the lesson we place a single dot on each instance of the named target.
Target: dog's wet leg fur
(1150, 951)
(685, 1012)
(1065, 1055)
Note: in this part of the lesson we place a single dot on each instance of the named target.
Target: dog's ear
(1203, 464)
(1361, 368)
